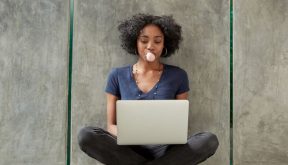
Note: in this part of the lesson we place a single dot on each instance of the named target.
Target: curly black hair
(131, 27)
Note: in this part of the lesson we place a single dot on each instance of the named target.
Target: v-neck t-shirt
(173, 81)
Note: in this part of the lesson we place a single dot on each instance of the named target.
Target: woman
(150, 38)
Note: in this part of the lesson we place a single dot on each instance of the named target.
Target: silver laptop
(141, 122)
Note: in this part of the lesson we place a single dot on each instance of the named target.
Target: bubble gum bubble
(150, 57)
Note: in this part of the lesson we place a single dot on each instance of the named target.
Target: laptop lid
(141, 122)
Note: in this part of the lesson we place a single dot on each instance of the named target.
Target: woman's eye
(145, 42)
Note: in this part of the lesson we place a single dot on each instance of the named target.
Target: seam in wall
(68, 136)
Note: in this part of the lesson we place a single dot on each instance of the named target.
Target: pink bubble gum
(150, 57)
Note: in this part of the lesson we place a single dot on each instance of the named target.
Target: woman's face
(151, 39)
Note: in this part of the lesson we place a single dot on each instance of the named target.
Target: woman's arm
(182, 96)
(111, 114)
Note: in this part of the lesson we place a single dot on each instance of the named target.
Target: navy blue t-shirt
(173, 81)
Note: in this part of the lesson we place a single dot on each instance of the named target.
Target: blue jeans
(102, 146)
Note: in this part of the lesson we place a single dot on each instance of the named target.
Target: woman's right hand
(112, 129)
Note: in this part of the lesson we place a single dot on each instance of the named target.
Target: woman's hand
(112, 129)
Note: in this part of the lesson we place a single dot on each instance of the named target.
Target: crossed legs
(102, 146)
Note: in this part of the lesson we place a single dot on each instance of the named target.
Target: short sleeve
(112, 86)
(184, 85)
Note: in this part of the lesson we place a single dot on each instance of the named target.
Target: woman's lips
(150, 57)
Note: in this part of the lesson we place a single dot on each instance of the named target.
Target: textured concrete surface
(260, 81)
(33, 81)
(204, 55)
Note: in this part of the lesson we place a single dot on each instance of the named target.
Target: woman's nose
(150, 46)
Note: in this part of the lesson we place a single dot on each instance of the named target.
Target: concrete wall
(204, 55)
(260, 82)
(33, 81)
(33, 74)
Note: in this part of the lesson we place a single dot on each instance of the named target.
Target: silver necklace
(136, 74)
